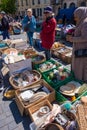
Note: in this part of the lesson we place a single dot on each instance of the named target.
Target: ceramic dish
(26, 95)
(70, 89)
(9, 94)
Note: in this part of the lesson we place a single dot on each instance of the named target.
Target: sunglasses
(46, 12)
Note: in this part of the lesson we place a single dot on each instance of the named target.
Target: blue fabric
(30, 36)
(5, 34)
(31, 22)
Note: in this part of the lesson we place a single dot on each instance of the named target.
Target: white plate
(77, 87)
(26, 95)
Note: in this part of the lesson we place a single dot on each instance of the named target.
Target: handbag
(80, 53)
(26, 26)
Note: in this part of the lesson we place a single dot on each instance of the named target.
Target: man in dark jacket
(48, 31)
(4, 25)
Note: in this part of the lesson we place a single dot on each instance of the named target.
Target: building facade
(39, 5)
(22, 6)
(36, 5)
(58, 4)
(74, 3)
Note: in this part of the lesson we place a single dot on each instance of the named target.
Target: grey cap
(2, 12)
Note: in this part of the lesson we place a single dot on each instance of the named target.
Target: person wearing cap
(47, 34)
(29, 25)
(4, 25)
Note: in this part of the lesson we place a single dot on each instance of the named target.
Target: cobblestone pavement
(10, 118)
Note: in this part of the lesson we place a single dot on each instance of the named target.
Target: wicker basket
(56, 52)
(57, 45)
(53, 126)
(29, 53)
(39, 61)
(10, 51)
(24, 108)
(65, 58)
(82, 116)
(17, 87)
(70, 115)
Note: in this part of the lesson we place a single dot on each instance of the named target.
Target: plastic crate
(60, 82)
(61, 98)
(84, 94)
(52, 61)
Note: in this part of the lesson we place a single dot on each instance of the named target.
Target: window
(40, 12)
(83, 4)
(33, 2)
(57, 1)
(21, 2)
(17, 3)
(44, 1)
(34, 12)
(38, 1)
(37, 12)
(26, 2)
(65, 5)
(72, 5)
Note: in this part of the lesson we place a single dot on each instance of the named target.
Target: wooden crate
(36, 108)
(66, 58)
(24, 108)
(56, 51)
(63, 55)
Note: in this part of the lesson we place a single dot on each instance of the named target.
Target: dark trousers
(47, 53)
(5, 34)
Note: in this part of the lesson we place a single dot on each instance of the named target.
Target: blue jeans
(47, 53)
(30, 36)
(5, 34)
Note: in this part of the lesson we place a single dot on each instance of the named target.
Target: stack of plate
(70, 88)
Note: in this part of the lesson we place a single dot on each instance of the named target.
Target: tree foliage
(9, 6)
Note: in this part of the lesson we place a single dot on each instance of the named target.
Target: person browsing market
(47, 34)
(79, 54)
(29, 25)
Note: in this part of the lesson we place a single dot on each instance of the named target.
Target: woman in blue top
(29, 25)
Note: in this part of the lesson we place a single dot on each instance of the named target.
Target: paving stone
(12, 125)
(2, 116)
(8, 113)
(9, 119)
(2, 123)
(1, 111)
(4, 128)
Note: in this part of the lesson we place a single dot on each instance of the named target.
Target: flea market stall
(46, 91)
